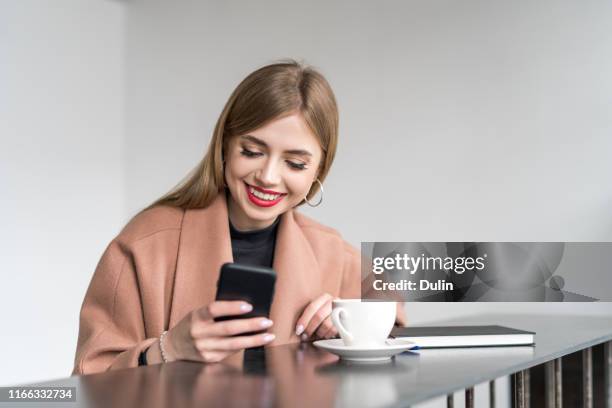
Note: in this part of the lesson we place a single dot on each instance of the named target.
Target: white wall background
(466, 121)
(61, 172)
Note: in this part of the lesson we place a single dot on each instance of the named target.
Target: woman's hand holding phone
(198, 337)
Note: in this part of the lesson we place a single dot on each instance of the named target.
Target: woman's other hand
(315, 322)
(199, 338)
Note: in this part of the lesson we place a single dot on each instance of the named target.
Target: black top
(254, 247)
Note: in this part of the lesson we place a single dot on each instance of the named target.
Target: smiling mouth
(265, 198)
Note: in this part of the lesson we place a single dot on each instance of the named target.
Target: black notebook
(464, 336)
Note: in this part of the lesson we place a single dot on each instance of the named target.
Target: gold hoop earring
(320, 200)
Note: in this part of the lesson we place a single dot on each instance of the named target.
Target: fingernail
(245, 307)
(266, 323)
(304, 337)
(268, 337)
(299, 329)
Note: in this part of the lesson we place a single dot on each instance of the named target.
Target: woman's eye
(249, 153)
(296, 166)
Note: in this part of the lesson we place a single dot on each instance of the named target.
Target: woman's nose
(269, 174)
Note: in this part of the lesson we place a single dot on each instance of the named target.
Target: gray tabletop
(301, 375)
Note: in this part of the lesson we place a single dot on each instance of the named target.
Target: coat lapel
(298, 278)
(205, 245)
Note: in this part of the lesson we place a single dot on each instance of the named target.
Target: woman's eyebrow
(259, 142)
(254, 140)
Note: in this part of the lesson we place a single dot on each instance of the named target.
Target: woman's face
(269, 171)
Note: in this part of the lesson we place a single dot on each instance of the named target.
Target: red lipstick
(258, 201)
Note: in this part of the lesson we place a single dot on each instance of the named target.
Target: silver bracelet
(161, 346)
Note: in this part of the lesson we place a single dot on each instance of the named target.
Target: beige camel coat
(165, 263)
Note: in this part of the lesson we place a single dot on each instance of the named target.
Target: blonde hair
(269, 93)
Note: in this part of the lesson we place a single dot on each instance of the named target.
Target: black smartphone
(252, 284)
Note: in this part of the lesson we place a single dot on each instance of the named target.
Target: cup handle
(335, 316)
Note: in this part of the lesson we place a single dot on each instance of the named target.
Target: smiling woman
(270, 94)
(270, 171)
(152, 296)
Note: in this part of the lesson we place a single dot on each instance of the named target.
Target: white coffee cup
(363, 324)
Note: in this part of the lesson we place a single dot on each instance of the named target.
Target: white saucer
(352, 353)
